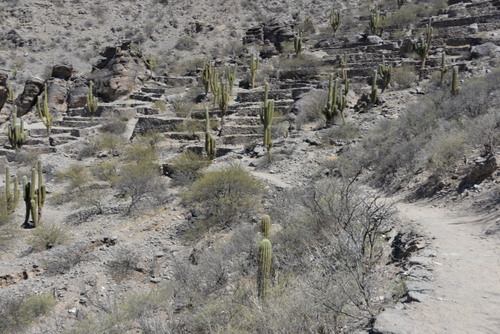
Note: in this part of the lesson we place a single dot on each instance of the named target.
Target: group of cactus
(378, 20)
(266, 117)
(17, 135)
(34, 194)
(44, 111)
(423, 44)
(264, 258)
(210, 147)
(92, 102)
(335, 20)
(337, 100)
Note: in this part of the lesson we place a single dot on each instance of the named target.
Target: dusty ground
(466, 296)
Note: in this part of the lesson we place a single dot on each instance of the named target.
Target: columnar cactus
(265, 225)
(454, 81)
(254, 66)
(214, 86)
(337, 101)
(377, 22)
(374, 94)
(34, 197)
(44, 111)
(385, 72)
(443, 69)
(423, 44)
(264, 272)
(231, 77)
(10, 93)
(11, 198)
(223, 99)
(150, 63)
(297, 43)
(92, 102)
(266, 117)
(206, 76)
(342, 59)
(210, 147)
(335, 20)
(17, 135)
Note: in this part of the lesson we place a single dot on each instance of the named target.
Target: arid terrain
(249, 167)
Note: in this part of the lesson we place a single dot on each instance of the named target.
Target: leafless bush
(123, 265)
(63, 259)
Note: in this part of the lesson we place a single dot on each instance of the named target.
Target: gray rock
(28, 97)
(485, 50)
(406, 47)
(57, 92)
(484, 168)
(374, 39)
(77, 95)
(393, 321)
(473, 28)
(417, 296)
(418, 286)
(62, 71)
(4, 90)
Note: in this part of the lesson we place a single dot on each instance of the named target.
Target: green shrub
(106, 171)
(17, 314)
(185, 43)
(48, 236)
(161, 105)
(187, 167)
(76, 174)
(404, 77)
(224, 196)
(445, 148)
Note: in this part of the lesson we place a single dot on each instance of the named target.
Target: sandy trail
(467, 273)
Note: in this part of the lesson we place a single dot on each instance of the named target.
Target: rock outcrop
(4, 90)
(28, 97)
(117, 74)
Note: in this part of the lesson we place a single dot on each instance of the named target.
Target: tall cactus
(254, 66)
(223, 99)
(264, 271)
(265, 225)
(214, 86)
(443, 68)
(44, 111)
(297, 43)
(210, 147)
(266, 118)
(454, 81)
(386, 73)
(17, 135)
(206, 76)
(11, 198)
(231, 77)
(342, 59)
(337, 100)
(10, 93)
(374, 93)
(423, 44)
(34, 197)
(92, 102)
(335, 20)
(377, 22)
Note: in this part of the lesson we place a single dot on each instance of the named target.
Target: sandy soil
(466, 298)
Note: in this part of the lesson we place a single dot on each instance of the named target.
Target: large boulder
(77, 96)
(117, 74)
(485, 50)
(28, 97)
(484, 168)
(57, 92)
(62, 71)
(274, 31)
(4, 90)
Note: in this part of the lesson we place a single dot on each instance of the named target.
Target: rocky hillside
(145, 229)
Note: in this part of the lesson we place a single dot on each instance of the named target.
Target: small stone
(473, 28)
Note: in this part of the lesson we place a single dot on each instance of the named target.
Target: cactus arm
(44, 111)
(265, 225)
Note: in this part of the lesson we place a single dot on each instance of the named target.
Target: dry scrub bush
(404, 77)
(187, 167)
(115, 125)
(123, 264)
(47, 236)
(224, 196)
(432, 134)
(16, 314)
(62, 259)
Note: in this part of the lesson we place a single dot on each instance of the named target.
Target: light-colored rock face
(57, 92)
(118, 74)
(77, 95)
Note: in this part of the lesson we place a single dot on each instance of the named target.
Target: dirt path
(466, 297)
